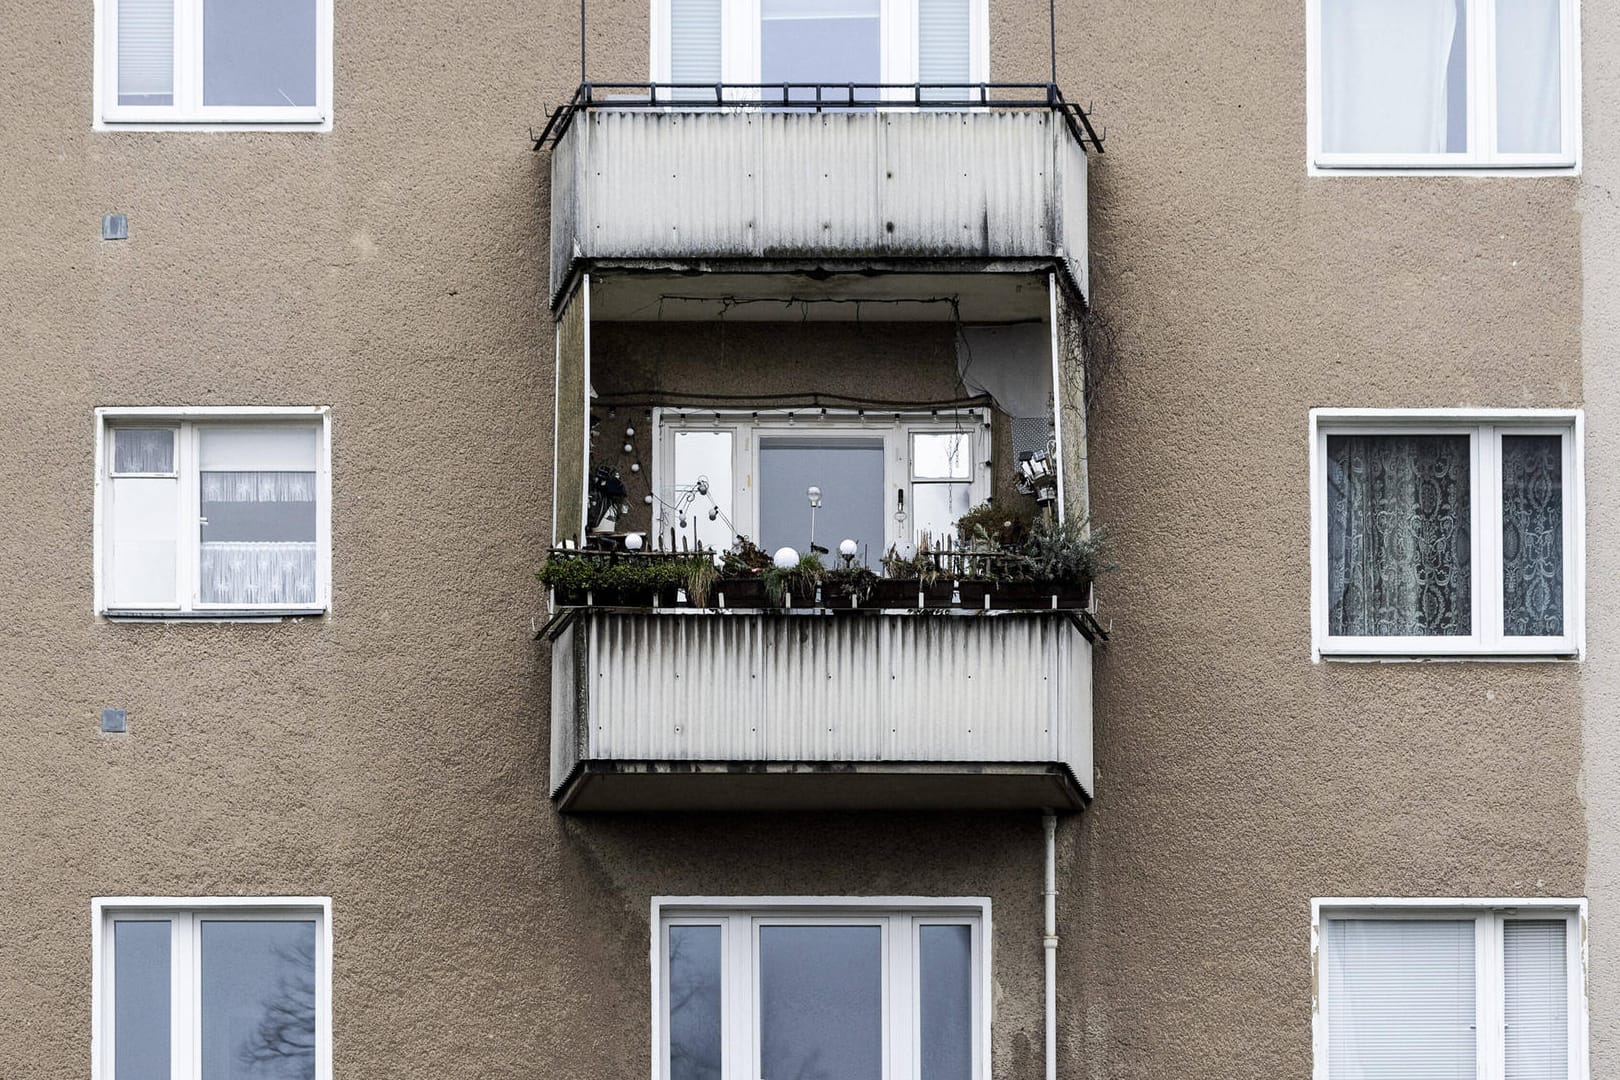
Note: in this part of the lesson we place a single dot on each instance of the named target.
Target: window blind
(145, 52)
(1401, 999)
(694, 43)
(944, 47)
(1536, 999)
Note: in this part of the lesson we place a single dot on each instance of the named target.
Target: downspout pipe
(1050, 942)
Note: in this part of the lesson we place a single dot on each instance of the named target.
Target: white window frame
(1488, 913)
(1482, 158)
(187, 588)
(740, 43)
(185, 912)
(749, 426)
(188, 112)
(1485, 428)
(740, 918)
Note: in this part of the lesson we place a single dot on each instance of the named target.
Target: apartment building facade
(323, 336)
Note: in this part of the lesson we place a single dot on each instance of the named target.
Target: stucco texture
(393, 756)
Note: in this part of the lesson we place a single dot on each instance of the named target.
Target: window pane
(943, 42)
(849, 473)
(1400, 999)
(942, 457)
(258, 1000)
(1394, 76)
(703, 460)
(1529, 111)
(1536, 975)
(259, 52)
(143, 450)
(694, 1003)
(694, 44)
(1398, 535)
(141, 999)
(257, 503)
(945, 985)
(935, 510)
(143, 517)
(145, 52)
(821, 1002)
(1533, 535)
(831, 42)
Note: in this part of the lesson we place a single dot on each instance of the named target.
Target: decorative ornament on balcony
(785, 558)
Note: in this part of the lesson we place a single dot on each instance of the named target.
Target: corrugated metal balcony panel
(819, 689)
(646, 185)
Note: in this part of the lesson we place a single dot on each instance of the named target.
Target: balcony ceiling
(819, 296)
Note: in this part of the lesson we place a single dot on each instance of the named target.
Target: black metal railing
(819, 97)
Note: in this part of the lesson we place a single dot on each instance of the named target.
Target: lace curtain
(1533, 535)
(1398, 535)
(258, 543)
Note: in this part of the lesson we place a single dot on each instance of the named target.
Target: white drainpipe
(1050, 941)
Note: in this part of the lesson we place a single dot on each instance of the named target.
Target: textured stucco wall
(394, 755)
(1600, 675)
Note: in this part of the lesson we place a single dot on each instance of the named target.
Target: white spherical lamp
(632, 542)
(785, 558)
(848, 548)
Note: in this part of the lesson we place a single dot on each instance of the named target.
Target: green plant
(701, 574)
(798, 580)
(988, 527)
(745, 557)
(854, 581)
(1065, 553)
(579, 573)
(920, 565)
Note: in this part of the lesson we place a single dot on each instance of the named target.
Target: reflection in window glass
(141, 999)
(259, 52)
(703, 488)
(945, 456)
(1529, 110)
(258, 1000)
(821, 1001)
(695, 1046)
(835, 43)
(935, 510)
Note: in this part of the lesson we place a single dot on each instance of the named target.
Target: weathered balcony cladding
(678, 188)
(780, 710)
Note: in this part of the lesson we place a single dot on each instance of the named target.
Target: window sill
(1443, 658)
(1476, 172)
(236, 615)
(223, 126)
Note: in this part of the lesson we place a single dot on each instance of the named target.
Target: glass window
(1481, 994)
(703, 492)
(834, 43)
(1394, 80)
(214, 991)
(214, 515)
(215, 61)
(848, 475)
(826, 991)
(1453, 538)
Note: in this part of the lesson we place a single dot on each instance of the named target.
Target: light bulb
(633, 542)
(647, 499)
(629, 449)
(635, 466)
(848, 548)
(785, 558)
(629, 432)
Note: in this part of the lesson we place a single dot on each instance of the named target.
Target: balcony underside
(702, 786)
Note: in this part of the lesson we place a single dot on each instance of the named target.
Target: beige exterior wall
(1600, 675)
(394, 755)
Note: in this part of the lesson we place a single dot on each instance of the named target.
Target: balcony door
(847, 473)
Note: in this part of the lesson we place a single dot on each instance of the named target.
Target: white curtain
(256, 572)
(1536, 1013)
(943, 47)
(694, 44)
(1528, 99)
(1385, 67)
(1401, 999)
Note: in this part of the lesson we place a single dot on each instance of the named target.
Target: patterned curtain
(1398, 535)
(1533, 535)
(258, 541)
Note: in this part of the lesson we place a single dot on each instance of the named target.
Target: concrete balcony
(706, 710)
(757, 189)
